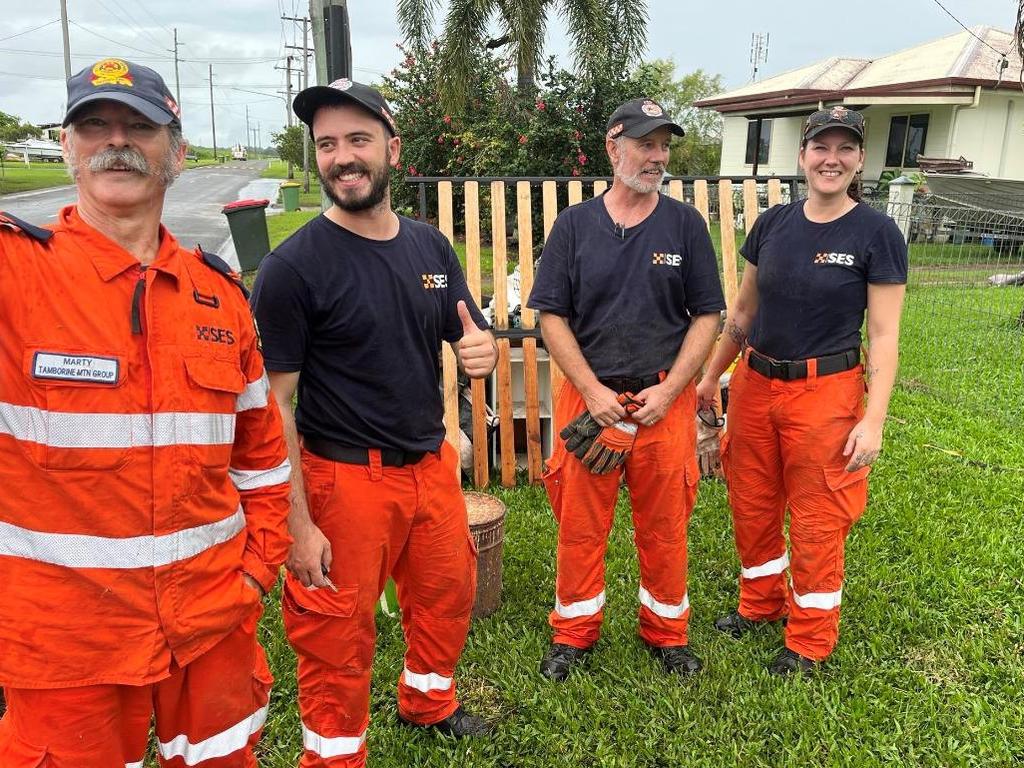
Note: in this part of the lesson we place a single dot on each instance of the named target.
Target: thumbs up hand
(476, 350)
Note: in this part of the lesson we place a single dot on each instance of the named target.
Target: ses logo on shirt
(433, 282)
(667, 259)
(843, 259)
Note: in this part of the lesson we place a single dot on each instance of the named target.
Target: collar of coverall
(109, 258)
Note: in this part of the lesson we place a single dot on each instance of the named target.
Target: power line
(112, 40)
(226, 62)
(19, 34)
(968, 30)
(129, 21)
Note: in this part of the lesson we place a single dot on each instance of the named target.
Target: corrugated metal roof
(960, 55)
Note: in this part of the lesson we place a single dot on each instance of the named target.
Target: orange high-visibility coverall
(784, 446)
(144, 472)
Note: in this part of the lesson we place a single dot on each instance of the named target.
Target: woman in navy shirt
(799, 435)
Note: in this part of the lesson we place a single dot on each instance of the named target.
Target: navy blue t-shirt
(363, 321)
(812, 279)
(628, 297)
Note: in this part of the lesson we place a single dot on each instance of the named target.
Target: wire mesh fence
(962, 339)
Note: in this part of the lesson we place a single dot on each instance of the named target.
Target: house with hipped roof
(958, 96)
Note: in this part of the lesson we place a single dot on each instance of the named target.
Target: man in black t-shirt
(352, 310)
(629, 296)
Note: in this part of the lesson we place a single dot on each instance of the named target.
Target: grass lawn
(18, 177)
(928, 671)
(281, 225)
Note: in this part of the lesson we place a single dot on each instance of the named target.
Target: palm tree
(605, 34)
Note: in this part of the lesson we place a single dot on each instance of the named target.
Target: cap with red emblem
(638, 117)
(834, 117)
(139, 87)
(340, 91)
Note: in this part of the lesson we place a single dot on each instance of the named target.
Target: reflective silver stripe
(771, 568)
(219, 745)
(426, 682)
(582, 608)
(58, 429)
(248, 479)
(824, 601)
(665, 610)
(335, 746)
(137, 764)
(73, 550)
(255, 394)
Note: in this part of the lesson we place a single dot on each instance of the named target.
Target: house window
(766, 140)
(907, 134)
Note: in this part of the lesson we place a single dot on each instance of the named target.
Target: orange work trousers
(209, 714)
(662, 475)
(406, 522)
(784, 449)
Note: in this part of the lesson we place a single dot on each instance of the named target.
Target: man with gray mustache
(143, 463)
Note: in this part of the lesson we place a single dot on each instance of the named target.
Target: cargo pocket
(849, 492)
(262, 678)
(723, 450)
(324, 625)
(17, 752)
(553, 481)
(207, 424)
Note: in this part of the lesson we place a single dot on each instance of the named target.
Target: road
(191, 209)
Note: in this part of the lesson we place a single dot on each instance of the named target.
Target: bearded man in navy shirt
(353, 309)
(630, 299)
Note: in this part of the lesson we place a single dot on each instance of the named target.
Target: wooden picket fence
(503, 404)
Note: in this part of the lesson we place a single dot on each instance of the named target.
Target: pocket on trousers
(837, 478)
(262, 678)
(553, 481)
(16, 751)
(723, 451)
(325, 601)
(849, 492)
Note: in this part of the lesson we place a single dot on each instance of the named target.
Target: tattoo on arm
(736, 333)
(871, 372)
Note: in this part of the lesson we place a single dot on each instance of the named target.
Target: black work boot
(678, 659)
(790, 662)
(560, 659)
(737, 625)
(458, 724)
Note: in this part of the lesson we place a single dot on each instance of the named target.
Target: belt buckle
(782, 366)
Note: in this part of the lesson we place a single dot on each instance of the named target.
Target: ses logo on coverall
(70, 367)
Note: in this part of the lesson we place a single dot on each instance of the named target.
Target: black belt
(632, 384)
(389, 457)
(788, 370)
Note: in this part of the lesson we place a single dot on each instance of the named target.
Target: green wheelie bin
(247, 220)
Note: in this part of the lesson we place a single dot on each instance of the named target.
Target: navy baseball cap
(836, 117)
(139, 87)
(310, 100)
(638, 117)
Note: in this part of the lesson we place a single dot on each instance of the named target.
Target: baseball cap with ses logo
(638, 117)
(140, 88)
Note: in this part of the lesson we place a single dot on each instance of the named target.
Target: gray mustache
(111, 158)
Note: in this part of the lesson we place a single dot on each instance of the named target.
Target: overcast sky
(244, 40)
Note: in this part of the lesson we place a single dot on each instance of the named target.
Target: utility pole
(288, 103)
(177, 82)
(332, 46)
(305, 84)
(213, 122)
(248, 131)
(67, 43)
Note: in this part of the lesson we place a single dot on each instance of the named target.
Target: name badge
(68, 367)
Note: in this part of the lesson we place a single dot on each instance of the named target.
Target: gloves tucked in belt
(601, 449)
